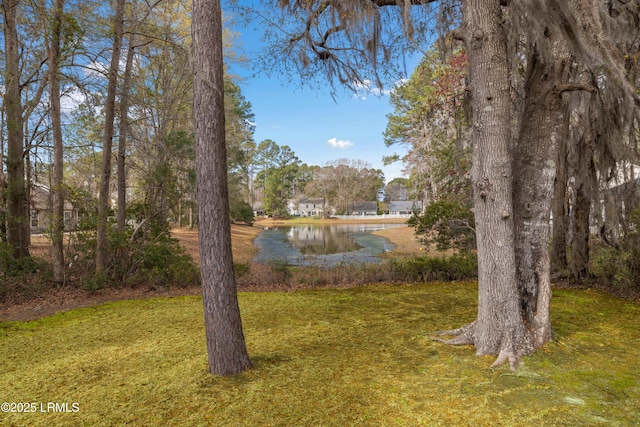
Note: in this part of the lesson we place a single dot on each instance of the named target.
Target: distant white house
(365, 208)
(258, 210)
(311, 207)
(399, 207)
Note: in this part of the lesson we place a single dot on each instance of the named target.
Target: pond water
(322, 245)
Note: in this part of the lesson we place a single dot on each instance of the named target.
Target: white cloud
(71, 101)
(339, 143)
(365, 88)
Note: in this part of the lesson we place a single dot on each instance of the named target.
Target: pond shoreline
(325, 245)
(377, 219)
(403, 238)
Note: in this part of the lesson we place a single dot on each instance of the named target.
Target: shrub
(23, 277)
(241, 212)
(145, 256)
(394, 270)
(163, 263)
(426, 269)
(619, 267)
(13, 267)
(96, 282)
(282, 271)
(447, 223)
(241, 269)
(618, 263)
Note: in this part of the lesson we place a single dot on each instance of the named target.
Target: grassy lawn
(359, 356)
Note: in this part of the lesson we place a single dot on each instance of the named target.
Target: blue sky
(319, 128)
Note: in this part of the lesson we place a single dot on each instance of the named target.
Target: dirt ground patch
(242, 237)
(403, 238)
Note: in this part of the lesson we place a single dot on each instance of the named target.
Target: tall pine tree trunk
(105, 174)
(122, 139)
(57, 190)
(225, 339)
(17, 198)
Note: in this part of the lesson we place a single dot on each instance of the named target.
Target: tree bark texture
(18, 232)
(57, 190)
(499, 328)
(535, 157)
(107, 143)
(560, 207)
(583, 171)
(579, 261)
(225, 339)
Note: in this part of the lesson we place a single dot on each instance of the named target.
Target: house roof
(365, 206)
(402, 206)
(316, 201)
(41, 198)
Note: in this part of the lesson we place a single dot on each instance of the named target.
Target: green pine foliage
(447, 223)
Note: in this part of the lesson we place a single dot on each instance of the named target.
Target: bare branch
(570, 87)
(456, 34)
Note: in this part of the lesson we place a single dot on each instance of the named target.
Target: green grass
(358, 356)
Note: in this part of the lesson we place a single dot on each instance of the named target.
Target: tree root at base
(462, 336)
(466, 336)
(507, 355)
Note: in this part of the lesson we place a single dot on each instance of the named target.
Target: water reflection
(311, 240)
(324, 245)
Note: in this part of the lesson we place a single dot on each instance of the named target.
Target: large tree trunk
(499, 328)
(534, 160)
(57, 190)
(225, 339)
(579, 265)
(583, 185)
(105, 174)
(18, 207)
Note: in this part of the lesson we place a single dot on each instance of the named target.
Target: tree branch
(570, 87)
(456, 34)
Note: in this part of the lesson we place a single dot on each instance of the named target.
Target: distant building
(40, 210)
(258, 210)
(365, 208)
(398, 207)
(311, 207)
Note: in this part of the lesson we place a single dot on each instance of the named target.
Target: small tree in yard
(448, 224)
(225, 339)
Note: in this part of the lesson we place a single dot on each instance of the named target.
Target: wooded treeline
(97, 110)
(94, 92)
